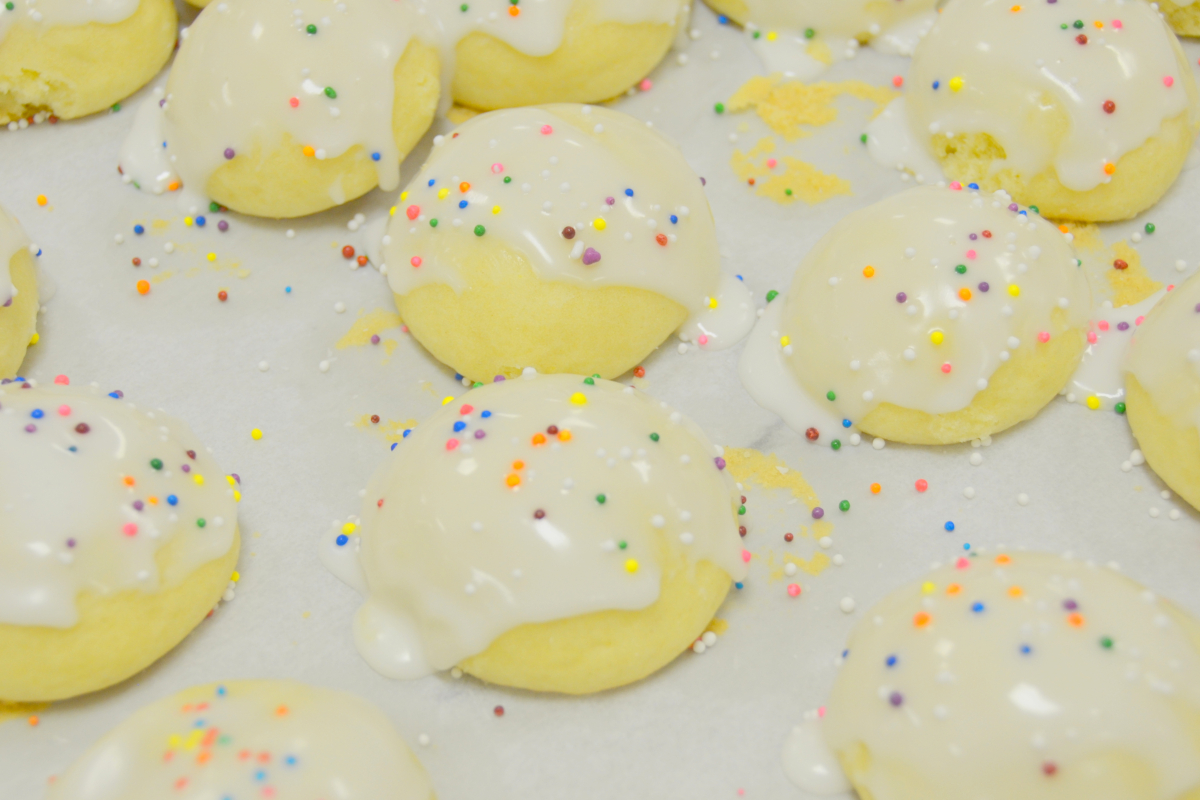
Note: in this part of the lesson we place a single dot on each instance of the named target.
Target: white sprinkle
(339, 307)
(423, 739)
(323, 366)
(1126, 466)
(1154, 513)
(699, 647)
(976, 459)
(909, 354)
(119, 239)
(847, 605)
(878, 443)
(1136, 458)
(169, 247)
(1023, 499)
(969, 492)
(709, 638)
(686, 538)
(1174, 514)
(657, 521)
(855, 439)
(263, 366)
(825, 542)
(789, 569)
(291, 234)
(838, 559)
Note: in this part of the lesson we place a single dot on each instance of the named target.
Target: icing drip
(270, 739)
(918, 300)
(1099, 383)
(1027, 676)
(526, 501)
(249, 73)
(989, 66)
(808, 762)
(12, 240)
(48, 13)
(637, 213)
(1165, 355)
(136, 481)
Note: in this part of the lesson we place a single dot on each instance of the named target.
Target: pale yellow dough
(117, 635)
(1142, 176)
(1172, 450)
(1017, 391)
(597, 60)
(279, 181)
(71, 71)
(1184, 19)
(607, 649)
(18, 322)
(510, 318)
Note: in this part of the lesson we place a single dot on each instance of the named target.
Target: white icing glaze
(1165, 354)
(809, 763)
(871, 340)
(993, 69)
(1100, 378)
(144, 160)
(844, 18)
(455, 555)
(82, 507)
(891, 143)
(1037, 678)
(12, 241)
(242, 65)
(578, 166)
(47, 13)
(249, 739)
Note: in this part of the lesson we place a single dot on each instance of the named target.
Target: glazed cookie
(552, 533)
(933, 317)
(855, 19)
(306, 743)
(1184, 16)
(561, 51)
(1086, 109)
(1162, 389)
(565, 238)
(70, 58)
(267, 114)
(96, 589)
(18, 295)
(1037, 676)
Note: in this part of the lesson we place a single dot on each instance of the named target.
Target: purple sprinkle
(162, 102)
(720, 462)
(973, 236)
(185, 468)
(590, 256)
(228, 152)
(70, 542)
(983, 287)
(119, 394)
(498, 379)
(896, 699)
(902, 298)
(8, 302)
(1122, 326)
(1070, 605)
(222, 226)
(1013, 207)
(138, 505)
(703, 182)
(236, 477)
(375, 338)
(818, 512)
(31, 428)
(479, 434)
(610, 200)
(1198, 308)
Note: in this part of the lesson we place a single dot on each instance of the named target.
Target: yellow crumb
(368, 325)
(1087, 236)
(717, 626)
(1131, 285)
(798, 180)
(391, 430)
(790, 108)
(769, 472)
(820, 51)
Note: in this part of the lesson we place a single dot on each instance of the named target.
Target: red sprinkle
(222, 295)
(347, 252)
(787, 537)
(499, 710)
(362, 261)
(812, 434)
(639, 372)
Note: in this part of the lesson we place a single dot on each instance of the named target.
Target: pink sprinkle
(415, 261)
(452, 444)
(771, 163)
(547, 130)
(703, 339)
(497, 168)
(1139, 320)
(821, 712)
(1102, 324)
(404, 329)
(898, 81)
(971, 254)
(1044, 337)
(1116, 23)
(62, 380)
(1092, 337)
(466, 410)
(746, 556)
(64, 411)
(294, 102)
(1168, 81)
(646, 85)
(794, 589)
(956, 186)
(130, 529)
(412, 212)
(946, 368)
(962, 563)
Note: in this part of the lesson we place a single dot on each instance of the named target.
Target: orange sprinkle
(876, 488)
(964, 293)
(143, 287)
(152, 500)
(464, 187)
(518, 464)
(1015, 9)
(204, 756)
(308, 150)
(1063, 229)
(513, 480)
(174, 186)
(513, 11)
(538, 439)
(33, 721)
(921, 619)
(1015, 591)
(128, 480)
(953, 589)
(41, 200)
(1110, 168)
(868, 272)
(282, 711)
(564, 436)
(1075, 620)
(1098, 24)
(1003, 559)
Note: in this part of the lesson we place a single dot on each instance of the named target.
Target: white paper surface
(709, 726)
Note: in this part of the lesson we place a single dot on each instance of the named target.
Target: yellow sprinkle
(937, 337)
(187, 221)
(447, 400)
(41, 200)
(712, 302)
(442, 193)
(1093, 402)
(631, 565)
(392, 210)
(772, 36)
(256, 434)
(1014, 290)
(199, 479)
(229, 479)
(599, 224)
(928, 588)
(403, 197)
(236, 576)
(495, 209)
(237, 496)
(956, 84)
(579, 399)
(785, 341)
(349, 528)
(308, 150)
(174, 741)
(212, 256)
(34, 340)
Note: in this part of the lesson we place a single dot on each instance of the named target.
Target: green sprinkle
(961, 269)
(1063, 26)
(771, 295)
(622, 544)
(654, 437)
(741, 510)
(788, 192)
(595, 374)
(601, 499)
(863, 138)
(330, 93)
(136, 185)
(480, 230)
(836, 444)
(1150, 227)
(1078, 24)
(476, 385)
(844, 505)
(9, 6)
(213, 206)
(589, 381)
(200, 523)
(311, 29)
(464, 8)
(156, 463)
(433, 222)
(514, 2)
(1035, 209)
(116, 107)
(226, 739)
(830, 395)
(1078, 262)
(809, 33)
(1119, 408)
(508, 179)
(756, 35)
(1106, 642)
(719, 108)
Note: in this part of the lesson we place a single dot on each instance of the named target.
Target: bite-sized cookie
(857, 19)
(1084, 108)
(564, 238)
(552, 533)
(279, 739)
(18, 295)
(280, 109)
(932, 317)
(74, 57)
(1030, 674)
(118, 534)
(1184, 15)
(1162, 389)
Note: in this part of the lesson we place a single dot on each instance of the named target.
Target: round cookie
(1031, 674)
(551, 533)
(1086, 110)
(564, 238)
(932, 317)
(855, 19)
(18, 295)
(1162, 389)
(70, 58)
(118, 535)
(1184, 16)
(306, 742)
(561, 51)
(282, 109)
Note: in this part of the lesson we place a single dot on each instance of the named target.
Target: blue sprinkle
(486, 414)
(73, 449)
(220, 691)
(172, 500)
(846, 423)
(967, 546)
(342, 539)
(462, 203)
(977, 608)
(431, 181)
(290, 761)
(200, 222)
(375, 156)
(936, 84)
(845, 653)
(629, 192)
(891, 661)
(949, 526)
(458, 426)
(407, 431)
(724, 20)
(37, 413)
(674, 220)
(287, 289)
(458, 376)
(39, 252)
(396, 443)
(198, 723)
(261, 775)
(739, 277)
(1026, 649)
(739, 585)
(113, 395)
(139, 230)
(974, 186)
